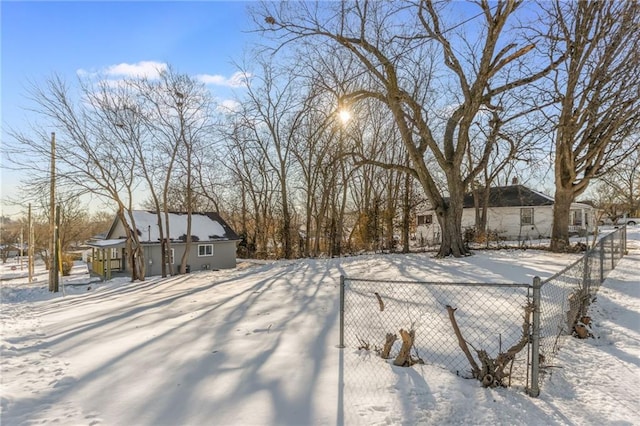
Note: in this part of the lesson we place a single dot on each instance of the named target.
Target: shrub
(67, 264)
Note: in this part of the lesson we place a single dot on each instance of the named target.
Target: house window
(170, 256)
(575, 218)
(526, 216)
(114, 253)
(205, 250)
(425, 219)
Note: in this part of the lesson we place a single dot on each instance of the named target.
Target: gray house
(213, 243)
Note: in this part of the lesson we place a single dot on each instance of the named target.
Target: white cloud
(238, 79)
(228, 106)
(149, 69)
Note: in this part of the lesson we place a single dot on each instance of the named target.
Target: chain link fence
(565, 297)
(491, 317)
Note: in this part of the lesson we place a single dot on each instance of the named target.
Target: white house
(514, 212)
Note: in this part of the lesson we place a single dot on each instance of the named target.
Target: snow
(258, 345)
(202, 226)
(108, 243)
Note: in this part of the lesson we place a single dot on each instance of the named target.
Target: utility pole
(30, 243)
(56, 252)
(21, 246)
(52, 220)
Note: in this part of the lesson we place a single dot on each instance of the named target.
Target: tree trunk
(404, 356)
(406, 213)
(389, 214)
(450, 219)
(388, 344)
(140, 263)
(287, 251)
(561, 211)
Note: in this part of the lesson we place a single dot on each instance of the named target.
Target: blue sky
(40, 38)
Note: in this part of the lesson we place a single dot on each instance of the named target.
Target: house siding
(506, 222)
(119, 231)
(220, 236)
(224, 256)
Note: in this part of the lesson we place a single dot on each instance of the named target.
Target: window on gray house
(170, 257)
(526, 216)
(205, 250)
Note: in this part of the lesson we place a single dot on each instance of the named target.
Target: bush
(67, 264)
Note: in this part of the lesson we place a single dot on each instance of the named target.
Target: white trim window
(205, 250)
(171, 257)
(425, 219)
(575, 218)
(526, 216)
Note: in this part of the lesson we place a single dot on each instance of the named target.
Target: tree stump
(390, 340)
(404, 357)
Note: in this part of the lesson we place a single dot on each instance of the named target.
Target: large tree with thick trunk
(598, 95)
(434, 78)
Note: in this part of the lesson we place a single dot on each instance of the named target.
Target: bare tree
(177, 116)
(516, 140)
(314, 155)
(618, 192)
(90, 155)
(395, 58)
(9, 237)
(273, 109)
(598, 95)
(255, 182)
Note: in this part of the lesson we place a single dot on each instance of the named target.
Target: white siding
(505, 221)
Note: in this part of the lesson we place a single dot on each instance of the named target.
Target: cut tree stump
(404, 357)
(390, 340)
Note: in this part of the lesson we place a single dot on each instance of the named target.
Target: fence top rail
(596, 249)
(564, 270)
(472, 284)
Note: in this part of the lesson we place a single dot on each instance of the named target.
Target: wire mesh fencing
(565, 297)
(490, 317)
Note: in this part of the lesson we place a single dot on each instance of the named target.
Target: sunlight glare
(345, 115)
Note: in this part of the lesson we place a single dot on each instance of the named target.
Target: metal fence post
(601, 248)
(586, 273)
(341, 345)
(534, 389)
(613, 257)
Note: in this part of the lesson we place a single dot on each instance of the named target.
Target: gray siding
(223, 257)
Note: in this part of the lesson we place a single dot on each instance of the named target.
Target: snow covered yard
(257, 345)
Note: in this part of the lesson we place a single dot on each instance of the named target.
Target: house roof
(119, 243)
(207, 226)
(512, 196)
